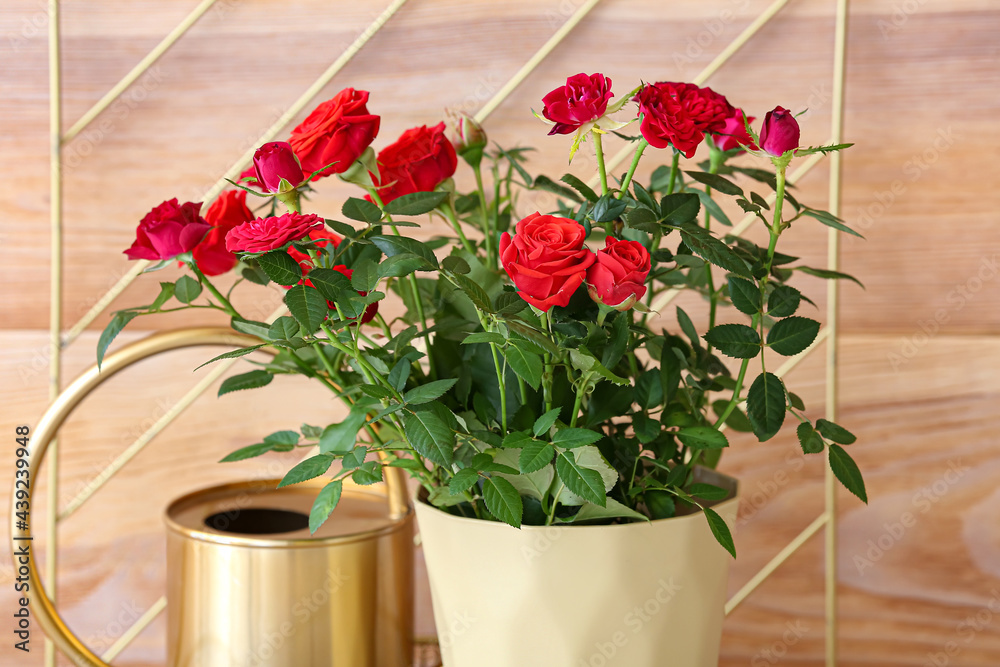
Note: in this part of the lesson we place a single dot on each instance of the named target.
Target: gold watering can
(247, 585)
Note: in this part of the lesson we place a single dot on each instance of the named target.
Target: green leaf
(527, 365)
(484, 337)
(545, 422)
(400, 373)
(401, 265)
(702, 437)
(166, 292)
(784, 301)
(680, 208)
(324, 504)
(283, 438)
(646, 428)
(711, 249)
(712, 208)
(792, 335)
(835, 432)
(280, 267)
(251, 380)
(456, 264)
(570, 438)
(643, 196)
(745, 295)
(426, 393)
(584, 482)
(830, 220)
(534, 456)
(312, 467)
(734, 340)
(248, 452)
(582, 359)
(716, 182)
(579, 186)
(509, 303)
(187, 289)
(517, 439)
(847, 472)
(369, 472)
(827, 274)
(341, 438)
(649, 390)
(766, 405)
(547, 184)
(613, 510)
(503, 501)
(361, 210)
(474, 291)
(416, 203)
(463, 480)
(707, 492)
(397, 245)
(810, 440)
(115, 326)
(607, 208)
(283, 328)
(307, 306)
(234, 354)
(430, 436)
(375, 391)
(332, 285)
(365, 276)
(720, 530)
(254, 328)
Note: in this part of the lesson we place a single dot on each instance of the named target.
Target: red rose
(275, 161)
(780, 132)
(546, 259)
(265, 234)
(734, 133)
(338, 130)
(167, 231)
(679, 114)
(226, 212)
(322, 238)
(618, 278)
(583, 99)
(419, 161)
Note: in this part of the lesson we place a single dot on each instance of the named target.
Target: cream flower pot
(633, 595)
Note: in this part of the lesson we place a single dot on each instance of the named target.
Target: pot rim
(258, 486)
(726, 481)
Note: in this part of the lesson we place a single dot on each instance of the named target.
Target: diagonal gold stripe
(102, 478)
(138, 70)
(709, 70)
(238, 166)
(783, 555)
(535, 60)
(135, 629)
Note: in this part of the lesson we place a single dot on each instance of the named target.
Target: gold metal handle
(48, 426)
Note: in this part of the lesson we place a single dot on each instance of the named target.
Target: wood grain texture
(920, 386)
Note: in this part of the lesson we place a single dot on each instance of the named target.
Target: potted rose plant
(526, 383)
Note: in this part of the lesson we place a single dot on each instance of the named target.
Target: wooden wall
(920, 350)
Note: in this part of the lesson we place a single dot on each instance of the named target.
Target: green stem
(371, 374)
(555, 503)
(631, 170)
(449, 214)
(734, 401)
(674, 168)
(585, 380)
(715, 159)
(502, 387)
(491, 243)
(211, 288)
(601, 169)
(547, 375)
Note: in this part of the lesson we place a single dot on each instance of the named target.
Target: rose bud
(734, 133)
(618, 278)
(467, 136)
(420, 160)
(274, 162)
(336, 133)
(168, 230)
(546, 259)
(582, 100)
(779, 133)
(226, 212)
